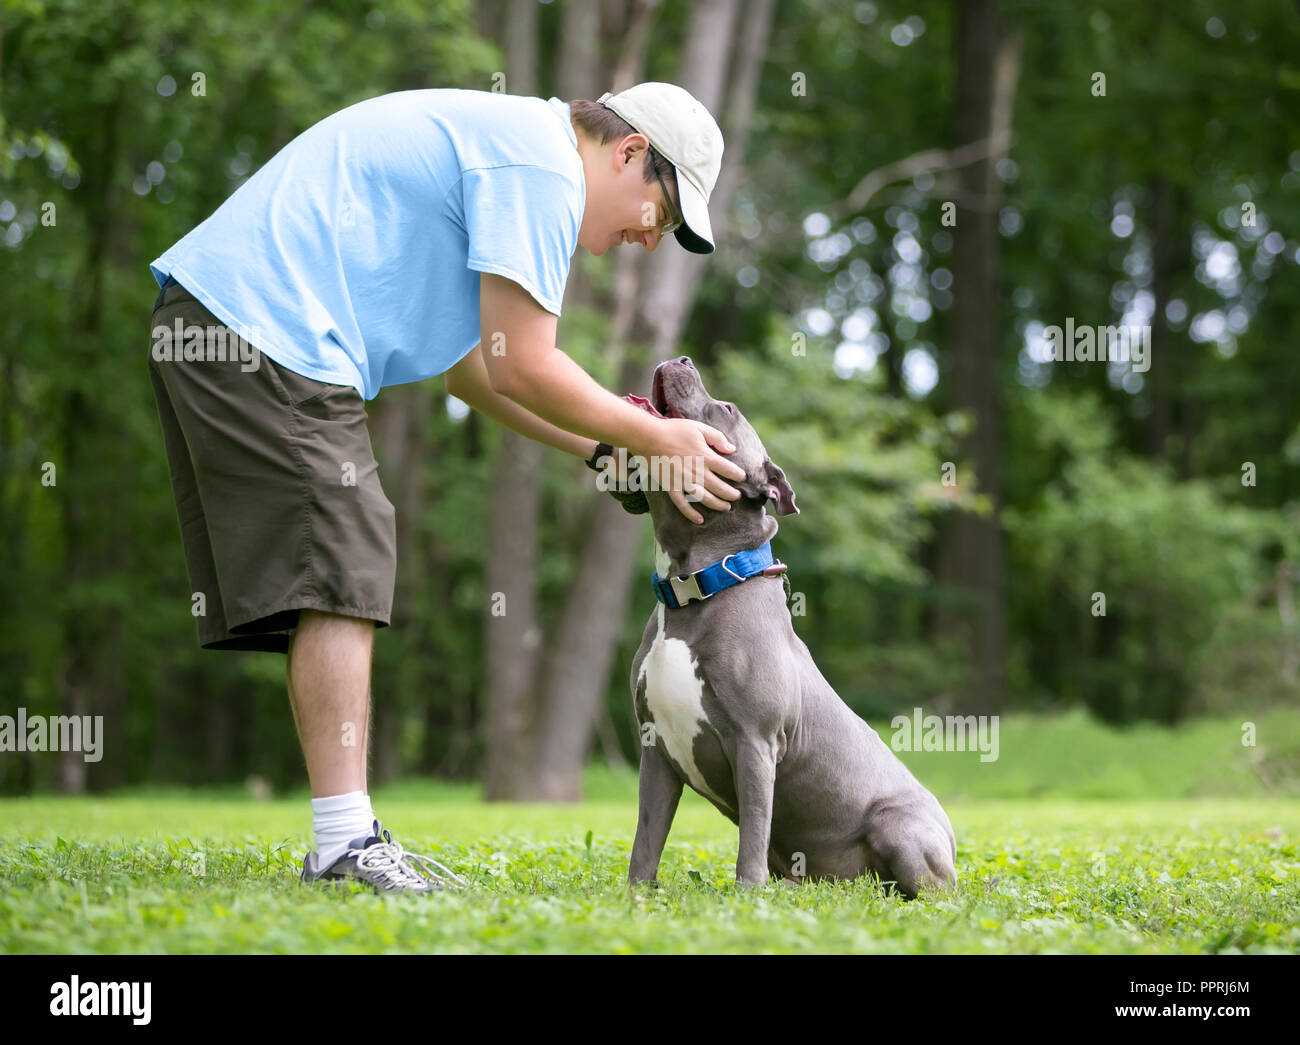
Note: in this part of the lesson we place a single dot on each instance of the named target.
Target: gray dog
(729, 701)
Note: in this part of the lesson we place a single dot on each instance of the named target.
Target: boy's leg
(328, 675)
(279, 498)
(329, 691)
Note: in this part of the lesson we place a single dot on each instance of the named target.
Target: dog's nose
(687, 361)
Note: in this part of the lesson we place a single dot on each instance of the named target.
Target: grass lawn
(1065, 872)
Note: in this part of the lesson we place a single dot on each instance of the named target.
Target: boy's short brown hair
(604, 125)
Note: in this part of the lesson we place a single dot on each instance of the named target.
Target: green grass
(1066, 872)
(1071, 756)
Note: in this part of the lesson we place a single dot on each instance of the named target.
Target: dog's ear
(771, 483)
(779, 489)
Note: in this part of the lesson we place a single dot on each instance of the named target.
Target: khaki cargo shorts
(276, 487)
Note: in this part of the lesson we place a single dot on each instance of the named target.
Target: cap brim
(696, 234)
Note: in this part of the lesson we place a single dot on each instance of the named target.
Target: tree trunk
(655, 309)
(1160, 375)
(512, 633)
(85, 686)
(512, 644)
(971, 559)
(578, 71)
(399, 421)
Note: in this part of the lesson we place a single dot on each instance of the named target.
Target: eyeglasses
(675, 219)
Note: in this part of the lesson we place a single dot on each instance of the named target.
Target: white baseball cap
(684, 132)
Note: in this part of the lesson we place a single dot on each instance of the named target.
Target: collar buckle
(687, 588)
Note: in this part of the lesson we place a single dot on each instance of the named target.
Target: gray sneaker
(379, 861)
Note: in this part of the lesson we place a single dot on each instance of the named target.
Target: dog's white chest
(674, 694)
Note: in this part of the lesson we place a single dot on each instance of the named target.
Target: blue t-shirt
(353, 255)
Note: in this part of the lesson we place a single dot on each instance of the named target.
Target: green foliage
(92, 92)
(91, 569)
(1170, 559)
(864, 465)
(1244, 666)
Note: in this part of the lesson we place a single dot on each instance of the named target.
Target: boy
(386, 244)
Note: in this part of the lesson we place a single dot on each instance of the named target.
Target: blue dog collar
(676, 592)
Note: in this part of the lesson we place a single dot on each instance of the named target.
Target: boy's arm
(524, 364)
(468, 381)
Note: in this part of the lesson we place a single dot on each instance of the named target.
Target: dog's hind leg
(917, 855)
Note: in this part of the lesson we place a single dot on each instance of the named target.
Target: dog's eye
(730, 409)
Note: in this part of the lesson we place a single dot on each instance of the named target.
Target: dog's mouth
(642, 403)
(659, 397)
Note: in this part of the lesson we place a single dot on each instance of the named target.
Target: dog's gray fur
(814, 790)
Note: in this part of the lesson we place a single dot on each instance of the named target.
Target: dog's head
(678, 391)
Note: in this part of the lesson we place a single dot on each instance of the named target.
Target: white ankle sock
(337, 820)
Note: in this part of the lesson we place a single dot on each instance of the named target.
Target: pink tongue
(644, 404)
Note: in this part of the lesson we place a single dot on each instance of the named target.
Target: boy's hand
(687, 462)
(531, 371)
(685, 465)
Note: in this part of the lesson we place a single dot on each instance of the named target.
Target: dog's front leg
(659, 791)
(755, 779)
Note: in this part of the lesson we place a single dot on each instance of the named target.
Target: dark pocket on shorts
(318, 399)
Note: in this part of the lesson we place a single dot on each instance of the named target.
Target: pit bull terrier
(729, 701)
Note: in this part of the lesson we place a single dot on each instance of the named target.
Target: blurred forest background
(871, 342)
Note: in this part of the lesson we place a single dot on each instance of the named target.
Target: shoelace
(388, 860)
